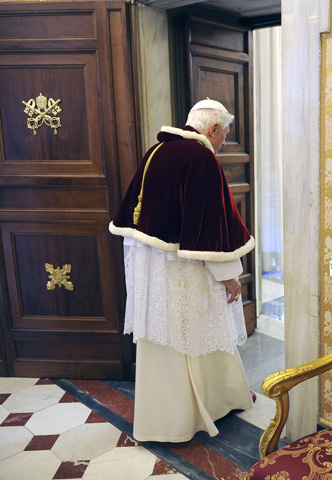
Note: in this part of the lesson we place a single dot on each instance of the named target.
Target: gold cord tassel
(137, 210)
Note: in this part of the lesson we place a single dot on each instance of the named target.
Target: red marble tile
(16, 419)
(109, 397)
(161, 468)
(207, 460)
(71, 470)
(67, 398)
(42, 442)
(95, 418)
(44, 381)
(3, 397)
(125, 441)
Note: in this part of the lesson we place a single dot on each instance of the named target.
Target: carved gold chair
(308, 458)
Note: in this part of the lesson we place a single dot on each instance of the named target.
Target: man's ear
(213, 128)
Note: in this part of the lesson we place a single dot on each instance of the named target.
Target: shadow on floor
(261, 355)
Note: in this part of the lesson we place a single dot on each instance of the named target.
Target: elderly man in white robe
(183, 243)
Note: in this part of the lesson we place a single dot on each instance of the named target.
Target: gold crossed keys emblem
(42, 108)
(59, 276)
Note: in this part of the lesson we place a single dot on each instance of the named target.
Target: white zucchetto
(207, 103)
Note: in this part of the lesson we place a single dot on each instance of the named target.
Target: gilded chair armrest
(281, 382)
(277, 386)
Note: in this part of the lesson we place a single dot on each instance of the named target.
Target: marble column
(154, 72)
(302, 23)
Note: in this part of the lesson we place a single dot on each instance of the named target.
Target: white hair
(202, 118)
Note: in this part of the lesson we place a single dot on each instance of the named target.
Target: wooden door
(218, 55)
(61, 292)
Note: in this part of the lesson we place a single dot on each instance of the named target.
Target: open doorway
(264, 352)
(268, 181)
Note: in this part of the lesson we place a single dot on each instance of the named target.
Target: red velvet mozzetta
(187, 204)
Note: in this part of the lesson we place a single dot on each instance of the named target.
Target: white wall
(302, 22)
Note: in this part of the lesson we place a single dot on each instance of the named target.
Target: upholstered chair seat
(310, 457)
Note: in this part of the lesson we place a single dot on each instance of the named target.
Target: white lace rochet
(177, 302)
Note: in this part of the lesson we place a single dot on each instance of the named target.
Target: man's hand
(234, 288)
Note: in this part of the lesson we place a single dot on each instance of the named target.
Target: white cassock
(188, 369)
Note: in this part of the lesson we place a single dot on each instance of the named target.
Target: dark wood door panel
(242, 197)
(122, 88)
(77, 355)
(2, 365)
(91, 303)
(235, 167)
(51, 26)
(62, 24)
(45, 201)
(218, 35)
(59, 191)
(224, 81)
(3, 360)
(77, 146)
(69, 349)
(56, 198)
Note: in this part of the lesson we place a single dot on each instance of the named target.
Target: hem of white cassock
(177, 395)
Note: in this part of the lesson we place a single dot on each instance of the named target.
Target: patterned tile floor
(49, 434)
(82, 429)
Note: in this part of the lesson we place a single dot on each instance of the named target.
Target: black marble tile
(127, 388)
(237, 441)
(261, 355)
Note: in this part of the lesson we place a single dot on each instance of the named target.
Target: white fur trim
(143, 237)
(189, 135)
(174, 247)
(218, 256)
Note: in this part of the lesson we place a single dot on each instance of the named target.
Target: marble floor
(82, 429)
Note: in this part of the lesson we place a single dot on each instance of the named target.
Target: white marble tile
(260, 415)
(13, 440)
(3, 414)
(271, 290)
(172, 476)
(33, 399)
(122, 463)
(86, 442)
(58, 419)
(11, 385)
(34, 465)
(270, 326)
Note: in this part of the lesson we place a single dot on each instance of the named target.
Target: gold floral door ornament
(59, 277)
(41, 108)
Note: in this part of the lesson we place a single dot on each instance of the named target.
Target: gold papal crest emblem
(43, 110)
